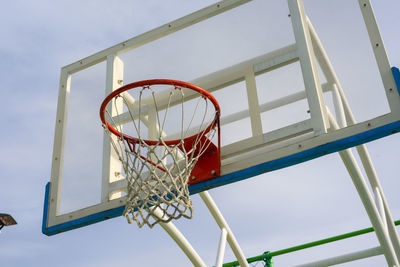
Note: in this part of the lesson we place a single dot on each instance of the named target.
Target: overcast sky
(273, 211)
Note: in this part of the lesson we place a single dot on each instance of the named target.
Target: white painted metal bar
(134, 112)
(254, 145)
(212, 207)
(330, 75)
(338, 105)
(153, 130)
(261, 64)
(111, 170)
(221, 248)
(375, 183)
(59, 146)
(278, 58)
(155, 34)
(380, 55)
(328, 71)
(359, 255)
(254, 107)
(180, 239)
(367, 200)
(381, 208)
(309, 68)
(149, 110)
(130, 102)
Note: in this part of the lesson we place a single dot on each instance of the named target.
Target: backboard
(285, 90)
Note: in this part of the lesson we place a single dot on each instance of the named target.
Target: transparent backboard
(292, 84)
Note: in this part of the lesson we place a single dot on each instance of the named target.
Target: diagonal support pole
(344, 106)
(215, 212)
(180, 240)
(367, 200)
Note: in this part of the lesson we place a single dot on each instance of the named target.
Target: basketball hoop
(159, 166)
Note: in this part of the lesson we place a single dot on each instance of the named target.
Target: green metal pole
(268, 255)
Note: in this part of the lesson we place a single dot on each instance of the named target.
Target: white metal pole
(381, 208)
(330, 75)
(367, 200)
(254, 106)
(376, 189)
(59, 145)
(111, 164)
(381, 57)
(374, 181)
(308, 64)
(212, 207)
(345, 258)
(221, 248)
(180, 239)
(338, 105)
(328, 70)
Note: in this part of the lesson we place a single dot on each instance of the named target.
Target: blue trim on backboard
(88, 220)
(45, 208)
(63, 227)
(396, 76)
(294, 159)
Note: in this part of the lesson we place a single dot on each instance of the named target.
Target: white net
(158, 166)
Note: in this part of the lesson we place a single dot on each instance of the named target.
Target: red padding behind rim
(143, 83)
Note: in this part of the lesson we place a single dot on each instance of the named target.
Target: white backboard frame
(260, 153)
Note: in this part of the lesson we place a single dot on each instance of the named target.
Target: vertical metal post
(329, 72)
(221, 248)
(380, 55)
(111, 165)
(212, 207)
(305, 52)
(59, 144)
(254, 107)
